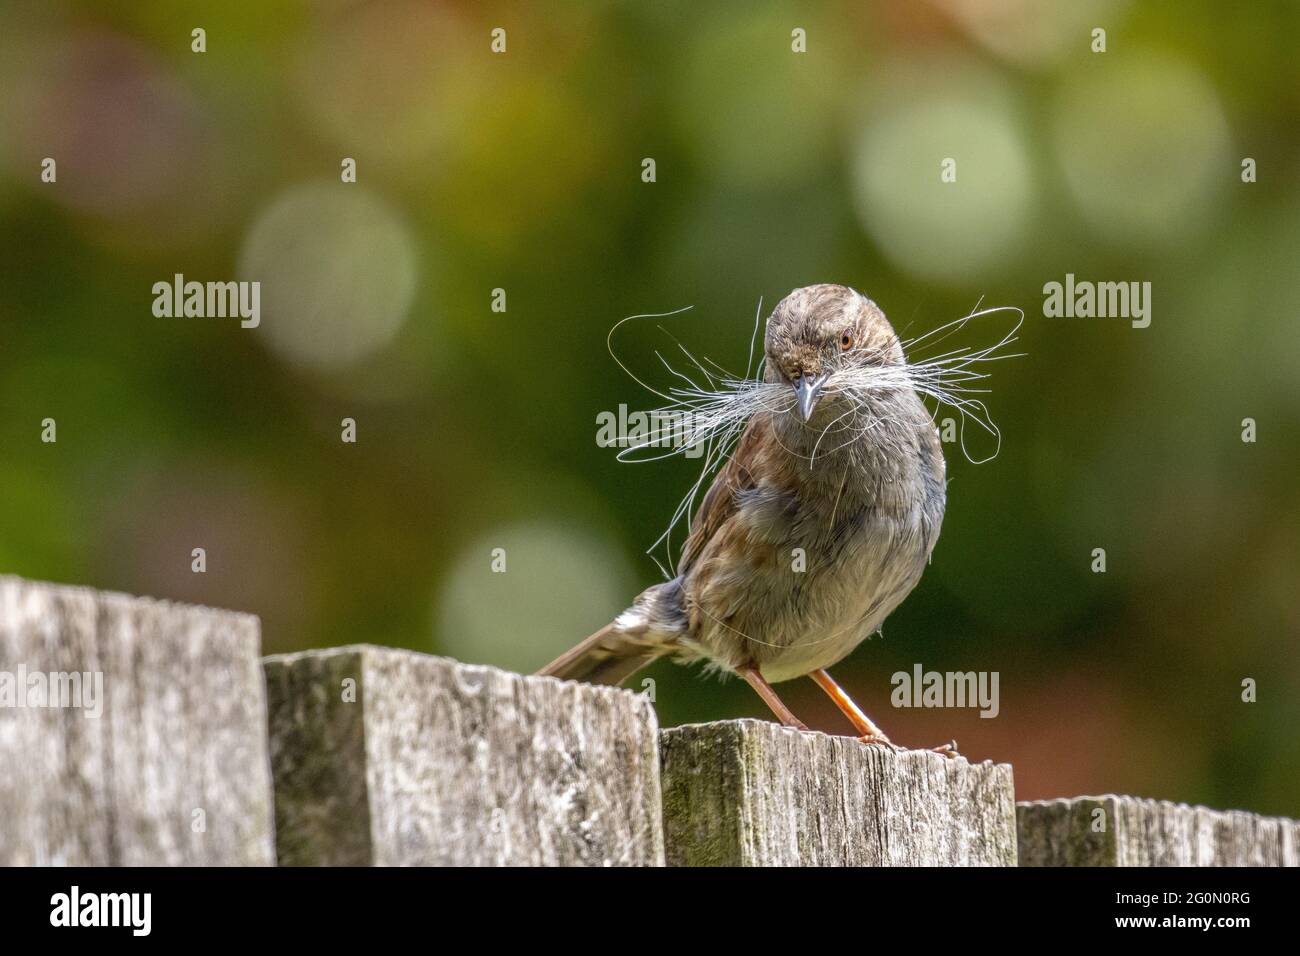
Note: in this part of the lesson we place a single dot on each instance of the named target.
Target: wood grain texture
(1128, 831)
(442, 763)
(753, 793)
(174, 771)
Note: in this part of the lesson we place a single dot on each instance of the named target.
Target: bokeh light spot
(337, 272)
(1034, 33)
(1141, 145)
(943, 231)
(370, 74)
(559, 585)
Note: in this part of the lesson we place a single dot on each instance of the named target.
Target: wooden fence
(177, 744)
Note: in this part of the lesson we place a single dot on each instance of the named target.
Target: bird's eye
(846, 341)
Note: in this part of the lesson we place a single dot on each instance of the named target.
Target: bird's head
(819, 330)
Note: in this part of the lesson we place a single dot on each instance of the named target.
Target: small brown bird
(812, 533)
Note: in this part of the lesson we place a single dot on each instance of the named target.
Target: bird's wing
(719, 502)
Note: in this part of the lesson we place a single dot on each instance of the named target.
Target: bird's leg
(871, 734)
(765, 691)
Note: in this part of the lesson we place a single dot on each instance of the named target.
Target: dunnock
(815, 529)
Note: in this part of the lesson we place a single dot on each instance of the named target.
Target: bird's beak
(808, 388)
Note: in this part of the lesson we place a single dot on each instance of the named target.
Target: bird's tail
(607, 657)
(643, 633)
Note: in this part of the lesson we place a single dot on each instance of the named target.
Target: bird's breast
(806, 569)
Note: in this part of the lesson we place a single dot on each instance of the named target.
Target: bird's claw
(880, 740)
(949, 749)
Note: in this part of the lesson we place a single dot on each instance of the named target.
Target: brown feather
(719, 502)
(607, 657)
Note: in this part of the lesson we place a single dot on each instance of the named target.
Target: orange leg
(871, 734)
(765, 691)
(861, 722)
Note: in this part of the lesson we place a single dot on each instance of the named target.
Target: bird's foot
(880, 740)
(948, 750)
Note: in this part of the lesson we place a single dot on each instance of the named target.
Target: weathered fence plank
(390, 757)
(153, 754)
(134, 732)
(1128, 831)
(750, 792)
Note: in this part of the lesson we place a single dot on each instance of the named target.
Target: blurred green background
(522, 171)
